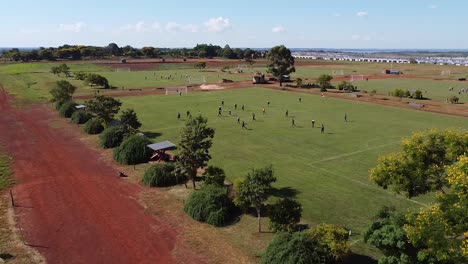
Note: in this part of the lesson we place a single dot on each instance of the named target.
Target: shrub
(210, 204)
(292, 248)
(112, 136)
(80, 117)
(67, 109)
(400, 93)
(161, 175)
(285, 214)
(418, 95)
(347, 86)
(133, 150)
(454, 99)
(214, 175)
(93, 126)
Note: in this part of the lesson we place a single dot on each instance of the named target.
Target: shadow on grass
(285, 192)
(151, 134)
(359, 259)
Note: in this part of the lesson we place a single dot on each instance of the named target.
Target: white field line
(354, 152)
(355, 241)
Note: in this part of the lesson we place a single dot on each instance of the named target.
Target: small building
(258, 78)
(78, 107)
(123, 61)
(159, 151)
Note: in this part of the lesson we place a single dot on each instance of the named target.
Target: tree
(420, 166)
(148, 52)
(334, 238)
(195, 144)
(440, 231)
(129, 117)
(254, 190)
(66, 109)
(113, 49)
(200, 65)
(62, 92)
(387, 234)
(417, 95)
(299, 82)
(285, 214)
(346, 86)
(112, 136)
(160, 175)
(214, 175)
(93, 126)
(454, 99)
(413, 61)
(281, 62)
(133, 150)
(80, 117)
(210, 205)
(296, 248)
(80, 75)
(324, 81)
(400, 93)
(104, 107)
(93, 79)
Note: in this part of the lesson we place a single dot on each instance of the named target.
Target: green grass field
(327, 172)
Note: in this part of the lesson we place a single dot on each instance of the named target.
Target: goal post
(445, 72)
(196, 79)
(337, 72)
(357, 78)
(176, 90)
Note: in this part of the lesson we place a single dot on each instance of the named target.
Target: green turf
(329, 172)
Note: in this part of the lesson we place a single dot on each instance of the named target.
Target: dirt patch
(71, 206)
(208, 87)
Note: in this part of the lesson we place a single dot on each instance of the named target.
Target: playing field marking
(355, 241)
(355, 152)
(368, 185)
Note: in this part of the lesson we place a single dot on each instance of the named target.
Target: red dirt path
(71, 206)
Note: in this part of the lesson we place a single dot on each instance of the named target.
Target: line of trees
(78, 52)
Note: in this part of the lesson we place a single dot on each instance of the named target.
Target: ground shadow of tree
(151, 134)
(284, 192)
(359, 259)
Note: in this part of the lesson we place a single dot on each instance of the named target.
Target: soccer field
(327, 172)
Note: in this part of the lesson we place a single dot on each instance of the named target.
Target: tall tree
(129, 118)
(285, 214)
(104, 107)
(62, 92)
(253, 191)
(281, 62)
(113, 49)
(195, 144)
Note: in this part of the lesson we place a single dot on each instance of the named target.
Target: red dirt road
(71, 206)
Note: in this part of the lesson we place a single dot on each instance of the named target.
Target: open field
(328, 173)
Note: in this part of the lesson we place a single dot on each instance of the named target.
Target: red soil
(71, 206)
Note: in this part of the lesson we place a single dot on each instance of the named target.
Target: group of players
(243, 124)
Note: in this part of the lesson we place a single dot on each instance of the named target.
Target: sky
(381, 24)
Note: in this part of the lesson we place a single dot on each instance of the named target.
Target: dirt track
(71, 206)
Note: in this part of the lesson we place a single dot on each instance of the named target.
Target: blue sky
(240, 23)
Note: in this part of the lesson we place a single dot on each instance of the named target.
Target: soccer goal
(123, 69)
(337, 72)
(176, 90)
(445, 72)
(196, 79)
(357, 78)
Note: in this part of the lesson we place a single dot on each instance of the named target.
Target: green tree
(129, 117)
(285, 214)
(195, 144)
(253, 191)
(347, 86)
(62, 92)
(133, 150)
(454, 99)
(334, 238)
(281, 62)
(387, 234)
(200, 65)
(104, 107)
(299, 82)
(420, 167)
(112, 136)
(296, 248)
(324, 81)
(93, 79)
(113, 49)
(413, 61)
(417, 95)
(214, 175)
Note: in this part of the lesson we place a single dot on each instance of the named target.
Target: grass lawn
(328, 173)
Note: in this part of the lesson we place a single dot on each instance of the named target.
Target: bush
(347, 86)
(161, 175)
(80, 117)
(292, 248)
(400, 93)
(112, 136)
(214, 175)
(454, 99)
(133, 150)
(66, 109)
(418, 95)
(210, 204)
(93, 126)
(285, 214)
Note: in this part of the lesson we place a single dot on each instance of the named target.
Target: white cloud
(278, 29)
(362, 13)
(142, 27)
(76, 27)
(217, 24)
(175, 27)
(336, 14)
(433, 7)
(355, 37)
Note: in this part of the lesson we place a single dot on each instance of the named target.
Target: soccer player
(287, 113)
(322, 129)
(219, 112)
(293, 123)
(238, 120)
(345, 118)
(222, 102)
(243, 125)
(178, 116)
(229, 112)
(313, 123)
(300, 99)
(253, 116)
(263, 110)
(188, 113)
(235, 106)
(268, 102)
(242, 107)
